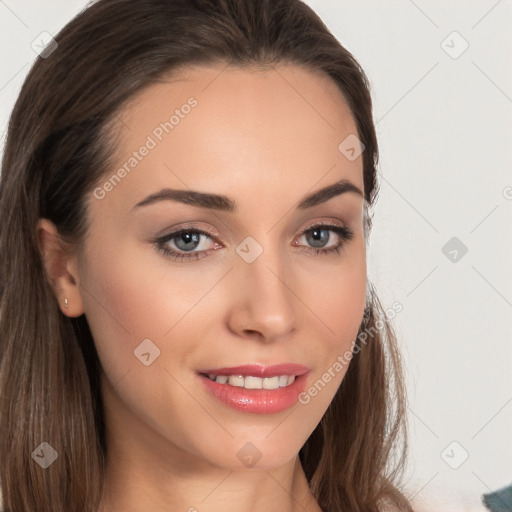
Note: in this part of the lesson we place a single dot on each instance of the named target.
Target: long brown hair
(58, 147)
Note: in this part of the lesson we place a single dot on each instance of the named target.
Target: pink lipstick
(256, 388)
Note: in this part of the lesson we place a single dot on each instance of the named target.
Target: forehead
(248, 98)
(208, 126)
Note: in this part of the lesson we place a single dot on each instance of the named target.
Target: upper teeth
(251, 382)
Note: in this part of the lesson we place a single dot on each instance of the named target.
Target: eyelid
(324, 222)
(188, 227)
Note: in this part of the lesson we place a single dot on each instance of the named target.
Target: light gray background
(444, 125)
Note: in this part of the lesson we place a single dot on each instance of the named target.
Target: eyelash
(345, 233)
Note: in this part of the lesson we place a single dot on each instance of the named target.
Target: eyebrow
(224, 203)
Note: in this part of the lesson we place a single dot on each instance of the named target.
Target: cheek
(339, 307)
(138, 294)
(344, 306)
(137, 298)
(339, 297)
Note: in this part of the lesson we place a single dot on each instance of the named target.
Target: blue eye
(319, 235)
(187, 240)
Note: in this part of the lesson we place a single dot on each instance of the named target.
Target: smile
(255, 388)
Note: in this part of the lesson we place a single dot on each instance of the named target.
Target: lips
(260, 401)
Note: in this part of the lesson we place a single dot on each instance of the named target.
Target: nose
(263, 303)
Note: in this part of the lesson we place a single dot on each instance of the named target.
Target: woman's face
(244, 284)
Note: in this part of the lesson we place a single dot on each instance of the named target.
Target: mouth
(256, 388)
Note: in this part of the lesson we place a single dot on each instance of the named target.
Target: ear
(60, 267)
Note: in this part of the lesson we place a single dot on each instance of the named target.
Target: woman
(186, 322)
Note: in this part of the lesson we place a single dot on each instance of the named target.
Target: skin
(265, 138)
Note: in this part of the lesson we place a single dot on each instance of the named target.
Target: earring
(66, 302)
